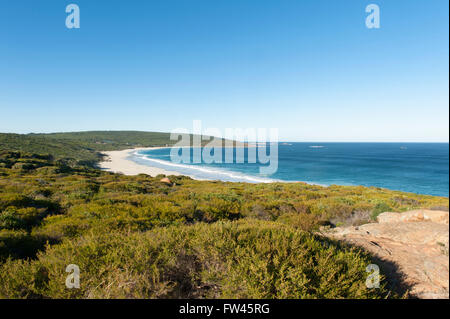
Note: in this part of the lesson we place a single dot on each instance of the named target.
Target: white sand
(117, 162)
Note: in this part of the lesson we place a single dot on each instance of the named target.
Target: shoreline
(118, 162)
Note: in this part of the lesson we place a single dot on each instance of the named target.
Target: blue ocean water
(421, 168)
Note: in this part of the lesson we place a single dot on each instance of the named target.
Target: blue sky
(310, 68)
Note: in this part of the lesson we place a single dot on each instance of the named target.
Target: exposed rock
(416, 242)
(388, 217)
(165, 180)
(421, 215)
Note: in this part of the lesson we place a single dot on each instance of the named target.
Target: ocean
(421, 168)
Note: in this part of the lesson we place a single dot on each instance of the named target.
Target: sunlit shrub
(246, 259)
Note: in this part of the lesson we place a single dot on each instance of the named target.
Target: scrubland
(137, 237)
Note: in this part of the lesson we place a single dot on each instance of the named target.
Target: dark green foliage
(112, 140)
(18, 244)
(380, 208)
(70, 151)
(81, 148)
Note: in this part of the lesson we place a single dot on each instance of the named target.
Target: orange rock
(415, 242)
(165, 180)
(419, 215)
(388, 217)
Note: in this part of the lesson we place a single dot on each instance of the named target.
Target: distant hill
(82, 147)
(58, 148)
(112, 140)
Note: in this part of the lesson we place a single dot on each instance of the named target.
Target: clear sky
(308, 67)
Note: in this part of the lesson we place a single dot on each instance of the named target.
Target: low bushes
(244, 259)
(135, 237)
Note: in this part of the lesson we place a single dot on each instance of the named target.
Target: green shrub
(10, 220)
(245, 259)
(380, 208)
(19, 244)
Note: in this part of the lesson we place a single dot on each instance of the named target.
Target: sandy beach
(118, 162)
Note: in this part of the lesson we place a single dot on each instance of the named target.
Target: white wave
(214, 173)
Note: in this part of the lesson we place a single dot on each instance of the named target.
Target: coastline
(118, 162)
(122, 162)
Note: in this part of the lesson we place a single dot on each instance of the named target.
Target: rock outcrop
(411, 246)
(421, 215)
(165, 180)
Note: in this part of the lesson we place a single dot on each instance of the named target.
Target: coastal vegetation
(83, 148)
(139, 237)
